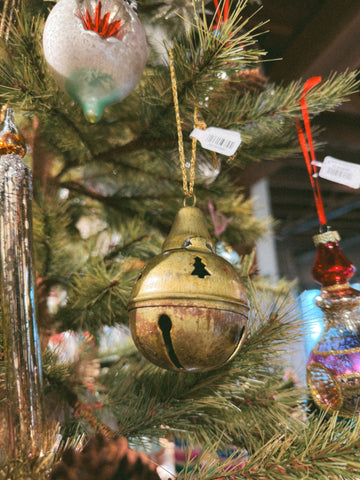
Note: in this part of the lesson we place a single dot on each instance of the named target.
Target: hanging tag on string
(218, 140)
(339, 171)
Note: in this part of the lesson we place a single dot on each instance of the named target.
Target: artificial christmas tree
(105, 195)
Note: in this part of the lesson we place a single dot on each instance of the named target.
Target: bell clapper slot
(165, 325)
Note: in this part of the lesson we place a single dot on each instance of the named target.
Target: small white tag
(342, 172)
(218, 140)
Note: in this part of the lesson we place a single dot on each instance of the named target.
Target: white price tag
(218, 140)
(342, 172)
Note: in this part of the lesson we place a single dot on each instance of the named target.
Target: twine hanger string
(188, 183)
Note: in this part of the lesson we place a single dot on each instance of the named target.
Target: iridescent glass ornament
(24, 392)
(188, 309)
(333, 368)
(96, 51)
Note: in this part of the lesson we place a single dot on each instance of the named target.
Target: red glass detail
(99, 24)
(331, 266)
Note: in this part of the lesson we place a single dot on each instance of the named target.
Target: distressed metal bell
(188, 309)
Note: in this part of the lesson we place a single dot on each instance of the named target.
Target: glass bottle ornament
(188, 309)
(96, 51)
(333, 368)
(206, 169)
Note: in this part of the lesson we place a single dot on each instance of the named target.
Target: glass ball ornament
(206, 169)
(333, 367)
(96, 51)
(188, 309)
(226, 251)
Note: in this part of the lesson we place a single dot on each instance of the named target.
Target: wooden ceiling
(313, 37)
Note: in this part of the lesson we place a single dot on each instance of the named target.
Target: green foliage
(98, 296)
(54, 241)
(324, 449)
(27, 467)
(105, 197)
(238, 403)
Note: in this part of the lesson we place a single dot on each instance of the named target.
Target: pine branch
(326, 449)
(221, 403)
(266, 120)
(281, 103)
(98, 296)
(52, 227)
(271, 112)
(23, 74)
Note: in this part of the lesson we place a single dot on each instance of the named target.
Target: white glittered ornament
(96, 51)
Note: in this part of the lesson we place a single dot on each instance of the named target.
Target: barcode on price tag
(218, 140)
(342, 172)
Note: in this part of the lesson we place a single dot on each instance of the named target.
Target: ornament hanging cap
(11, 140)
(329, 236)
(189, 230)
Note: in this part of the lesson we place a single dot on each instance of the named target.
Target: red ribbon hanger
(220, 14)
(307, 146)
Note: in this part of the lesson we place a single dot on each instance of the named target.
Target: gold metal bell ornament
(188, 309)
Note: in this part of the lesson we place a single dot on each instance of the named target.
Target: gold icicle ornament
(188, 309)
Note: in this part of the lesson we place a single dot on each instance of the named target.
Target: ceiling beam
(330, 41)
(342, 130)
